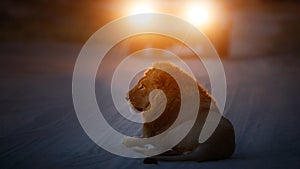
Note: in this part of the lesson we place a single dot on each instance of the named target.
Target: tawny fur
(219, 146)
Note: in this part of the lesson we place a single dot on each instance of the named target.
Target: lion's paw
(148, 150)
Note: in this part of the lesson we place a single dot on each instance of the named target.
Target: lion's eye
(141, 86)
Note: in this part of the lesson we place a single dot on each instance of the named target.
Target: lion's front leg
(148, 150)
(142, 147)
(139, 146)
(130, 142)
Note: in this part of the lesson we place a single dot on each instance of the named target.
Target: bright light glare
(198, 14)
(140, 8)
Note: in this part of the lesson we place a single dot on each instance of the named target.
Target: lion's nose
(127, 96)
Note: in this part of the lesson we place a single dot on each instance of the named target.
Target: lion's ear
(148, 71)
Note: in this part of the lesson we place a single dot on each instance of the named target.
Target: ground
(39, 128)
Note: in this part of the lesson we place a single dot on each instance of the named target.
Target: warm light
(198, 14)
(140, 8)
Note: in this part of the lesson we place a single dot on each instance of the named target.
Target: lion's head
(153, 78)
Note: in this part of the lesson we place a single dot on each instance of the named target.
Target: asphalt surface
(39, 127)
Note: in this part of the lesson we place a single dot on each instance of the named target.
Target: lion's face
(152, 79)
(138, 95)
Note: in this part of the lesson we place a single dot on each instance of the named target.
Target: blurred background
(236, 24)
(258, 42)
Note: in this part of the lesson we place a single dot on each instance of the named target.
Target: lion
(220, 145)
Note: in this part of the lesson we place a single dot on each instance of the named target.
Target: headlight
(143, 7)
(198, 13)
